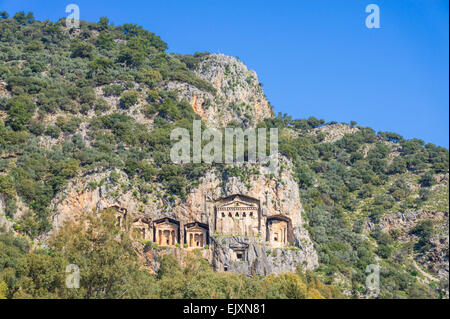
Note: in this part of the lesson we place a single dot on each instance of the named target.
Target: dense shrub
(129, 98)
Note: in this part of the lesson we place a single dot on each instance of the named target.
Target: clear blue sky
(314, 57)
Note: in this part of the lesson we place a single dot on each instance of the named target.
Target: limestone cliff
(277, 196)
(239, 97)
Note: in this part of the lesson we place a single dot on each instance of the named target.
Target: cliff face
(435, 260)
(239, 97)
(277, 197)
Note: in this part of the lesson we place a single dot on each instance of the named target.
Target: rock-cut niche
(279, 231)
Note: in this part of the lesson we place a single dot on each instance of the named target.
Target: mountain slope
(85, 122)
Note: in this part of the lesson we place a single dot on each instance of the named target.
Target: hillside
(85, 121)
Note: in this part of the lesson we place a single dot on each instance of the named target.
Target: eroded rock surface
(262, 252)
(239, 97)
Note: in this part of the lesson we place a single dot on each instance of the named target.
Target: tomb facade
(235, 215)
(279, 231)
(239, 252)
(141, 229)
(238, 215)
(138, 228)
(166, 232)
(196, 235)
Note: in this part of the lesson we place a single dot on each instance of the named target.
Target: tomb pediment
(166, 221)
(237, 203)
(196, 226)
(239, 198)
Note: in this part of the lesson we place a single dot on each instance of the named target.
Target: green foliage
(285, 286)
(129, 98)
(68, 124)
(113, 90)
(7, 186)
(53, 131)
(110, 268)
(20, 110)
(3, 290)
(150, 77)
(427, 180)
(81, 49)
(101, 105)
(105, 41)
(198, 280)
(108, 265)
(103, 24)
(24, 19)
(423, 230)
(4, 15)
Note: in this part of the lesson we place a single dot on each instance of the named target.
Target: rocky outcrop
(405, 221)
(238, 98)
(435, 259)
(96, 190)
(278, 196)
(258, 258)
(334, 132)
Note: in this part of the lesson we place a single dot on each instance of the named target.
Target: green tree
(81, 49)
(3, 290)
(20, 110)
(427, 180)
(103, 23)
(108, 264)
(286, 285)
(129, 98)
(21, 18)
(105, 40)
